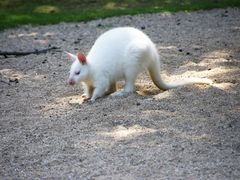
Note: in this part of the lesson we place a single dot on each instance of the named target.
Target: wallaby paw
(85, 97)
(120, 94)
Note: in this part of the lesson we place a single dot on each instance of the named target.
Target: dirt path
(187, 133)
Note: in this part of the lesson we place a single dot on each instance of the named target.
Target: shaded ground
(191, 132)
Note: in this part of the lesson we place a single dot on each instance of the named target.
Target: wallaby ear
(82, 58)
(71, 56)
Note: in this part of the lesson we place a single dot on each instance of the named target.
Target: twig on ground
(15, 53)
(5, 82)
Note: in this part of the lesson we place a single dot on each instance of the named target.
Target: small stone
(14, 80)
(44, 61)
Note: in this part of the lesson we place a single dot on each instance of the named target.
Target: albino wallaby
(119, 54)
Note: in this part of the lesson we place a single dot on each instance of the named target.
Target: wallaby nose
(71, 82)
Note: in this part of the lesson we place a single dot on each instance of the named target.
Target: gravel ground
(191, 132)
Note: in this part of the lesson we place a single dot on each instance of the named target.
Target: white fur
(120, 54)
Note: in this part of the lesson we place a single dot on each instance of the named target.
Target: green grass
(18, 12)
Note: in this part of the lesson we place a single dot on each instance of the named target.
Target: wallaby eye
(77, 73)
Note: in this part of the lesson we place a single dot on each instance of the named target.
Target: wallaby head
(79, 70)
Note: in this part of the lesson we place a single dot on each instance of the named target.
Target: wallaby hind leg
(129, 86)
(139, 51)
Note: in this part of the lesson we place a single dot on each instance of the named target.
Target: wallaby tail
(154, 71)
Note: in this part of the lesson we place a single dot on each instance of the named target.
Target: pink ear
(82, 58)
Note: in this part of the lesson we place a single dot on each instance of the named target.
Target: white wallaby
(120, 54)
